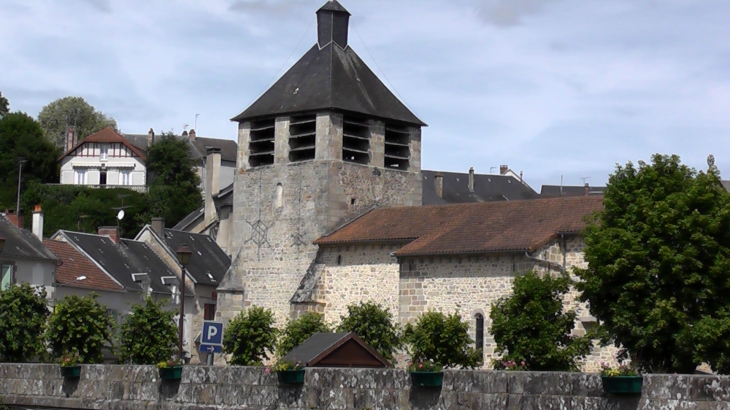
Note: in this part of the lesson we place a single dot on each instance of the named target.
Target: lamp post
(21, 161)
(183, 257)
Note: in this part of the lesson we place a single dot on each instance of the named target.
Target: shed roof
(336, 350)
(507, 226)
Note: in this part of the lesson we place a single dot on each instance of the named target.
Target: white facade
(103, 164)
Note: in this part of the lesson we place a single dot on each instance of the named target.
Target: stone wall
(222, 388)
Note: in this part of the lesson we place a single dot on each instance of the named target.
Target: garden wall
(139, 387)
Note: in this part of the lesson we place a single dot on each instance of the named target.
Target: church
(328, 211)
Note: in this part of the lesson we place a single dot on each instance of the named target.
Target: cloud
(103, 6)
(284, 7)
(507, 13)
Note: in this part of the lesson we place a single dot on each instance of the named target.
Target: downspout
(549, 264)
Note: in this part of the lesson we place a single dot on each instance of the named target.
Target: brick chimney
(212, 178)
(471, 179)
(158, 225)
(192, 135)
(38, 222)
(70, 138)
(438, 181)
(14, 218)
(503, 169)
(150, 137)
(586, 189)
(111, 231)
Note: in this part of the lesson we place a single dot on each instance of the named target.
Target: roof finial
(332, 24)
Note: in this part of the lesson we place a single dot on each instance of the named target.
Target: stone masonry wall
(223, 388)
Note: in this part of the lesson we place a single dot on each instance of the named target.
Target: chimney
(438, 181)
(503, 169)
(332, 24)
(70, 138)
(14, 218)
(150, 137)
(110, 231)
(38, 222)
(471, 179)
(185, 133)
(212, 177)
(586, 189)
(192, 135)
(158, 225)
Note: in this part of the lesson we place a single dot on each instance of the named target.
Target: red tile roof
(75, 265)
(469, 228)
(107, 135)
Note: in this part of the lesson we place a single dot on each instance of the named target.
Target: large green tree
(80, 325)
(22, 137)
(530, 325)
(249, 336)
(174, 185)
(56, 117)
(659, 265)
(443, 339)
(23, 314)
(4, 105)
(148, 334)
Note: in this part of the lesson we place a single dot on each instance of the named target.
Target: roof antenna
(584, 180)
(561, 185)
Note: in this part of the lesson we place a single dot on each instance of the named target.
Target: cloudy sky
(548, 87)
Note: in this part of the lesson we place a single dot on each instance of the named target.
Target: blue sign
(212, 333)
(211, 348)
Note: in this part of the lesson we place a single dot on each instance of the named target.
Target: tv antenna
(584, 180)
(196, 122)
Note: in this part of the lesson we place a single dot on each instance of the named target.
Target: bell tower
(327, 142)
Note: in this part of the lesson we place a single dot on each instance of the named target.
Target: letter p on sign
(212, 333)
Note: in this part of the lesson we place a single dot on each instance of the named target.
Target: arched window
(479, 334)
(279, 195)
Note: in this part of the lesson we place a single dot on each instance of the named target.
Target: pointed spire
(332, 24)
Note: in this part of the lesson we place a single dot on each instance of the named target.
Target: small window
(339, 259)
(80, 176)
(279, 195)
(479, 337)
(209, 312)
(6, 276)
(104, 152)
(125, 177)
(353, 201)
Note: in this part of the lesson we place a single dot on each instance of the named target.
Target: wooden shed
(336, 350)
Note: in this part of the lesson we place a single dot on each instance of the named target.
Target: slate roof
(570, 190)
(75, 265)
(224, 198)
(334, 5)
(208, 264)
(107, 135)
(22, 244)
(197, 148)
(123, 259)
(330, 78)
(508, 226)
(487, 188)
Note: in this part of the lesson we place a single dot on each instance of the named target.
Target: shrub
(148, 334)
(442, 339)
(299, 330)
(530, 326)
(80, 325)
(374, 325)
(249, 335)
(23, 315)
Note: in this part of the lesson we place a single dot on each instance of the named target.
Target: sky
(553, 88)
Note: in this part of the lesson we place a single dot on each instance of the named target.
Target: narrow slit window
(479, 336)
(279, 195)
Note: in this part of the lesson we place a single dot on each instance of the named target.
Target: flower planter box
(291, 376)
(622, 384)
(427, 379)
(71, 372)
(171, 373)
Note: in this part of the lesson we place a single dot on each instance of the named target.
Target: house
(206, 269)
(24, 258)
(110, 159)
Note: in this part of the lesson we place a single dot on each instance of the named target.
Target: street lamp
(21, 161)
(183, 257)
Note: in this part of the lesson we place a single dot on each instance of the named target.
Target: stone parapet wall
(139, 387)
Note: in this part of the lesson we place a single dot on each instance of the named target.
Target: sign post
(211, 340)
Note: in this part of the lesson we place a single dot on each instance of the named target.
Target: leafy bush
(249, 335)
(530, 326)
(149, 334)
(442, 339)
(374, 325)
(299, 330)
(80, 325)
(23, 315)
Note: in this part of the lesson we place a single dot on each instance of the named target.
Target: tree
(23, 314)
(442, 339)
(80, 325)
(56, 117)
(4, 105)
(374, 325)
(22, 137)
(530, 326)
(148, 334)
(249, 336)
(659, 265)
(299, 330)
(174, 185)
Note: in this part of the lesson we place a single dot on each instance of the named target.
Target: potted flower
(289, 371)
(426, 373)
(623, 379)
(170, 370)
(70, 368)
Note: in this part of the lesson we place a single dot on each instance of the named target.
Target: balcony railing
(137, 188)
